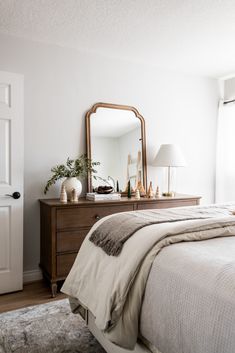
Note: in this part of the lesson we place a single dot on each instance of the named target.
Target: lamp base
(168, 194)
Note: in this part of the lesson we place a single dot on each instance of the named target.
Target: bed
(170, 289)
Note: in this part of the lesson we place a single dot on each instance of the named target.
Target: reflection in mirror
(116, 144)
(116, 141)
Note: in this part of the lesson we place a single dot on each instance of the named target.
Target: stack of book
(93, 196)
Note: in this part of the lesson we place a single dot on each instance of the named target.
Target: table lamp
(169, 156)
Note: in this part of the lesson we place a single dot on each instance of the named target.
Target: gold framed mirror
(115, 136)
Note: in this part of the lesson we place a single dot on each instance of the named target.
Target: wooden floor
(32, 294)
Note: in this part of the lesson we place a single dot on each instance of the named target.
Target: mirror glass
(116, 142)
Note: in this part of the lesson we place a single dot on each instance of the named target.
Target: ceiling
(193, 36)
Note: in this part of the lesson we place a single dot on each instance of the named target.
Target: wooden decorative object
(141, 189)
(74, 195)
(63, 195)
(143, 139)
(150, 193)
(137, 194)
(158, 194)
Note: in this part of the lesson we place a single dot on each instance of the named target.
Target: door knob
(16, 195)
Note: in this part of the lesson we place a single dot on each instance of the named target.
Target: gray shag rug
(46, 328)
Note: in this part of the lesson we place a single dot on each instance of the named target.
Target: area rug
(46, 328)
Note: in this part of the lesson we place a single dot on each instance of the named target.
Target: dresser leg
(53, 289)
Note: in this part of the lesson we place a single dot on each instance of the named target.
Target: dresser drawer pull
(97, 217)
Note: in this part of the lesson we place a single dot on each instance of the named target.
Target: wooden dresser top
(82, 201)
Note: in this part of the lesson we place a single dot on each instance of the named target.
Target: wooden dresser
(64, 227)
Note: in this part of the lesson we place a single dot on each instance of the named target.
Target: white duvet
(112, 288)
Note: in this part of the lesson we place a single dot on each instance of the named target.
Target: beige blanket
(112, 287)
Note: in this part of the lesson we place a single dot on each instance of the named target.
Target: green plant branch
(73, 168)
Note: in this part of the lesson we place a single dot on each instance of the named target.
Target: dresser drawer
(71, 240)
(69, 218)
(64, 263)
(165, 204)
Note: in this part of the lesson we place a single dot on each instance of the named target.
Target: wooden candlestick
(137, 194)
(63, 195)
(74, 196)
(158, 194)
(150, 193)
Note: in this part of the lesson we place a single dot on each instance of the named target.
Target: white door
(11, 182)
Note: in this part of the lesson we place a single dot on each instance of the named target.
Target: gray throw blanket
(112, 234)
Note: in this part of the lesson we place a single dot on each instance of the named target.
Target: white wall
(112, 153)
(129, 144)
(62, 84)
(106, 151)
(229, 89)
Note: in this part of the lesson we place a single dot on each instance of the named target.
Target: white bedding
(189, 301)
(112, 287)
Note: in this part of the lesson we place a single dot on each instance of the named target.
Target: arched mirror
(116, 139)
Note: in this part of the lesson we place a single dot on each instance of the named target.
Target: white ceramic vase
(70, 184)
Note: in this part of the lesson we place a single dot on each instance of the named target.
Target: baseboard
(32, 276)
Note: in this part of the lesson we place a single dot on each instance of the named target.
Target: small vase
(70, 184)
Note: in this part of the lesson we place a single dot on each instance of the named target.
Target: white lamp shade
(169, 155)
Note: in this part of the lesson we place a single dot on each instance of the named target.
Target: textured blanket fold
(112, 234)
(112, 287)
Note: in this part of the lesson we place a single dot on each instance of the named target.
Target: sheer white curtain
(225, 164)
